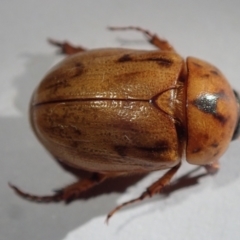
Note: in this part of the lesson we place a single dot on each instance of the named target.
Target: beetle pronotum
(120, 111)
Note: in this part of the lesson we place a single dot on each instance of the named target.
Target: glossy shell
(121, 110)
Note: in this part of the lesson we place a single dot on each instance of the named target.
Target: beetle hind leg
(155, 188)
(152, 38)
(66, 194)
(66, 47)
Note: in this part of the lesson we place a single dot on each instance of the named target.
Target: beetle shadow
(129, 42)
(136, 43)
(121, 183)
(115, 184)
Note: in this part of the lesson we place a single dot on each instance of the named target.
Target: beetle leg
(152, 38)
(66, 47)
(155, 188)
(213, 167)
(66, 194)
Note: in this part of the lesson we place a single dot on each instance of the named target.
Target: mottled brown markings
(221, 118)
(78, 70)
(215, 144)
(160, 146)
(125, 126)
(121, 150)
(196, 150)
(206, 75)
(125, 58)
(166, 62)
(214, 72)
(61, 79)
(77, 131)
(221, 94)
(61, 83)
(197, 65)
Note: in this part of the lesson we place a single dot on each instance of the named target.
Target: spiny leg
(155, 188)
(152, 38)
(66, 47)
(66, 194)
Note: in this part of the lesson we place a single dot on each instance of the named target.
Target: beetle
(120, 111)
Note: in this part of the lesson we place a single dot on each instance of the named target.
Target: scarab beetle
(121, 111)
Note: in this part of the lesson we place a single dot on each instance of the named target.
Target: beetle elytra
(119, 111)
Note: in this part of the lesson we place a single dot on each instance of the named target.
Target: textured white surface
(205, 29)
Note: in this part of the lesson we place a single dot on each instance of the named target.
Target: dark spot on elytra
(60, 83)
(206, 75)
(159, 60)
(60, 78)
(121, 150)
(215, 72)
(125, 58)
(77, 70)
(160, 146)
(196, 150)
(165, 62)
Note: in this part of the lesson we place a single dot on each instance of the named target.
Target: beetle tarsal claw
(66, 194)
(143, 196)
(34, 198)
(66, 47)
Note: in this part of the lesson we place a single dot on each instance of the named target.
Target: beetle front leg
(155, 188)
(66, 194)
(66, 47)
(152, 38)
(213, 167)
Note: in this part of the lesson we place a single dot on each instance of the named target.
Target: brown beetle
(121, 111)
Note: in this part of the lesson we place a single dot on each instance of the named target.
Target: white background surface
(206, 29)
